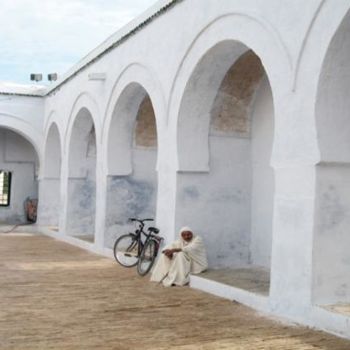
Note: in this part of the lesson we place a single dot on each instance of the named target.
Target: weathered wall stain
(333, 212)
(82, 197)
(82, 191)
(190, 193)
(127, 197)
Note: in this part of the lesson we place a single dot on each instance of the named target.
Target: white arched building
(230, 116)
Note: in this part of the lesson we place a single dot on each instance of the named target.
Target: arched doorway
(132, 157)
(81, 196)
(331, 258)
(19, 166)
(50, 199)
(225, 185)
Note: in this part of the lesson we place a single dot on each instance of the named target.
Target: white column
(63, 220)
(166, 198)
(101, 197)
(295, 154)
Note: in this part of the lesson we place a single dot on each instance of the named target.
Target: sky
(50, 36)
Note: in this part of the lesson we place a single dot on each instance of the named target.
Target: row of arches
(221, 150)
(226, 116)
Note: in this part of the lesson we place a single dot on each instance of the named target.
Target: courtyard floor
(56, 296)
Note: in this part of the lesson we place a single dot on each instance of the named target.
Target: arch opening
(81, 196)
(331, 277)
(50, 198)
(132, 157)
(20, 162)
(225, 184)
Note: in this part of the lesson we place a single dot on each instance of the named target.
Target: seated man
(186, 255)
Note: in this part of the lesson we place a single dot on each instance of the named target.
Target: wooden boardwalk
(55, 296)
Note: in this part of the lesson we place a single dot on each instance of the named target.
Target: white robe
(191, 259)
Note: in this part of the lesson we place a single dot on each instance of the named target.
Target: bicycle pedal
(130, 255)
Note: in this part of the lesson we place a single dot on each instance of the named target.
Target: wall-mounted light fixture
(36, 77)
(52, 77)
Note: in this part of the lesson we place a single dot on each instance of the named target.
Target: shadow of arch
(132, 157)
(82, 154)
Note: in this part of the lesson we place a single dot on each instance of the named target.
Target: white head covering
(185, 228)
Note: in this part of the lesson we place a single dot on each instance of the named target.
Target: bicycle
(130, 250)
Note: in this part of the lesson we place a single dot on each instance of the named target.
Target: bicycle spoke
(126, 250)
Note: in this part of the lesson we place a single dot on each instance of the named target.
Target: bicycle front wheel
(147, 257)
(126, 250)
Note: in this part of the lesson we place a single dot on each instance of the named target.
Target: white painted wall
(292, 41)
(263, 188)
(49, 185)
(132, 196)
(331, 258)
(216, 205)
(82, 177)
(18, 156)
(50, 202)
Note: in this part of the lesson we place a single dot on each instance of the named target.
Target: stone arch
(22, 127)
(50, 192)
(325, 21)
(132, 178)
(131, 78)
(255, 33)
(82, 142)
(19, 147)
(54, 118)
(332, 204)
(225, 184)
(87, 102)
(52, 152)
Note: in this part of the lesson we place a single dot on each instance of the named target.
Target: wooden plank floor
(55, 296)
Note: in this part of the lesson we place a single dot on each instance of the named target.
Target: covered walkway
(55, 296)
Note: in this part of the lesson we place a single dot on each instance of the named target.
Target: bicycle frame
(142, 245)
(139, 232)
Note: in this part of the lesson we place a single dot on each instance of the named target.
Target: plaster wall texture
(203, 39)
(24, 115)
(263, 188)
(82, 180)
(331, 281)
(216, 205)
(50, 202)
(50, 182)
(18, 156)
(331, 256)
(131, 196)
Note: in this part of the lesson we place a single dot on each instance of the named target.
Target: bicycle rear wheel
(147, 257)
(126, 250)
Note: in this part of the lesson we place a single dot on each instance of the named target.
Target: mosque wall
(251, 186)
(263, 182)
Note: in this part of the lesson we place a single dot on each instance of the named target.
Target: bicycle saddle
(153, 229)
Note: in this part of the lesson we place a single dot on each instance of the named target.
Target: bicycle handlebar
(140, 221)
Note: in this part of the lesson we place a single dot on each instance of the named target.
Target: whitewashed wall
(263, 182)
(331, 259)
(186, 50)
(18, 156)
(21, 138)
